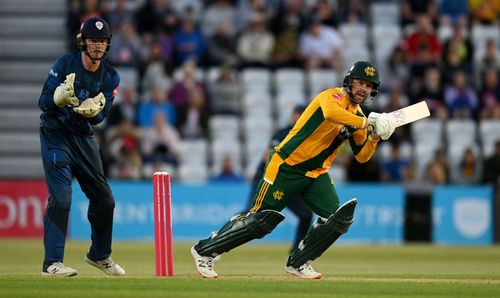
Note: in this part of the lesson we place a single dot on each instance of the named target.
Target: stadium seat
(354, 34)
(321, 79)
(194, 152)
(224, 126)
(385, 12)
(489, 134)
(428, 132)
(20, 143)
(285, 79)
(193, 173)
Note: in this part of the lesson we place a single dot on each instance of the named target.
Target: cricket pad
(240, 230)
(323, 234)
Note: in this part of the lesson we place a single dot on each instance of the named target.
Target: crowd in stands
(189, 57)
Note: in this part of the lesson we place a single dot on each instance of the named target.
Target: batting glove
(385, 126)
(91, 106)
(372, 120)
(65, 93)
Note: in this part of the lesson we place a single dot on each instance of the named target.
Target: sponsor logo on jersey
(278, 195)
(53, 73)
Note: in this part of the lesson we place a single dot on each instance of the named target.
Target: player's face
(361, 89)
(96, 47)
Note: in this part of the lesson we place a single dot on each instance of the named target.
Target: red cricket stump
(164, 255)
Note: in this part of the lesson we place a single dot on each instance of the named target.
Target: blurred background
(204, 84)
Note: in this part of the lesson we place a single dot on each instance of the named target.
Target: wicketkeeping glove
(91, 106)
(65, 93)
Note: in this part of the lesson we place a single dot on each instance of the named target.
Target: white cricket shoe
(59, 269)
(108, 266)
(204, 265)
(305, 271)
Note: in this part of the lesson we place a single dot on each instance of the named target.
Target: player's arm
(58, 89)
(363, 145)
(332, 111)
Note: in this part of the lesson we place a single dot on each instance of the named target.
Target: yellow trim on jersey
(260, 197)
(272, 168)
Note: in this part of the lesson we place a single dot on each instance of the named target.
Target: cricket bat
(410, 114)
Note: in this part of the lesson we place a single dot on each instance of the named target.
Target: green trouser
(319, 193)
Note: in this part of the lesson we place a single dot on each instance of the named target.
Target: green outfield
(257, 271)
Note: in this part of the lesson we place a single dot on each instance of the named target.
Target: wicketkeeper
(78, 93)
(299, 165)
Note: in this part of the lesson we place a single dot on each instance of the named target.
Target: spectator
(128, 48)
(326, 12)
(222, 47)
(489, 95)
(189, 42)
(158, 65)
(160, 143)
(286, 49)
(157, 104)
(453, 64)
(353, 11)
(292, 14)
(126, 162)
(491, 170)
(486, 12)
(124, 108)
(397, 168)
(398, 67)
(217, 13)
(179, 92)
(432, 91)
(423, 38)
(255, 45)
(227, 172)
(247, 8)
(119, 14)
(491, 59)
(151, 15)
(468, 170)
(226, 93)
(463, 47)
(461, 99)
(321, 46)
(193, 118)
(453, 12)
(437, 169)
(411, 9)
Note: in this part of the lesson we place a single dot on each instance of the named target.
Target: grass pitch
(257, 271)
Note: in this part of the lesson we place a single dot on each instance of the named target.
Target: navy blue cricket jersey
(87, 85)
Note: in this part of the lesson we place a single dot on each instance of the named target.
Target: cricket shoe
(204, 265)
(108, 266)
(305, 271)
(58, 269)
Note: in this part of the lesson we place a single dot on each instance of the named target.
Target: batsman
(77, 94)
(299, 165)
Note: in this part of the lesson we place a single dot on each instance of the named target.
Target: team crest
(370, 71)
(278, 195)
(99, 25)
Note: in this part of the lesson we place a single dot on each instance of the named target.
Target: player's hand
(385, 126)
(372, 120)
(65, 93)
(91, 106)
